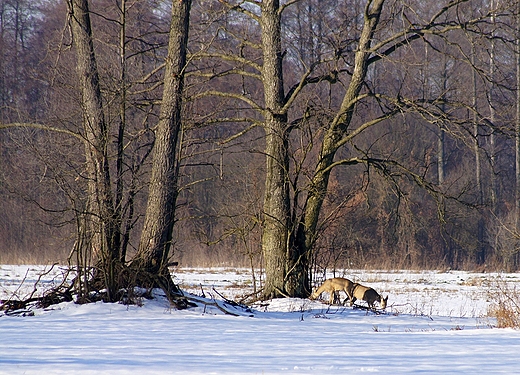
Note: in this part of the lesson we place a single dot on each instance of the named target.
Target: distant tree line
(294, 136)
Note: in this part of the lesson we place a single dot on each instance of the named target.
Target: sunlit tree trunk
(156, 237)
(102, 229)
(276, 205)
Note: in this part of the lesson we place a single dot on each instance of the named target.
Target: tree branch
(414, 32)
(41, 127)
(238, 8)
(240, 97)
(233, 58)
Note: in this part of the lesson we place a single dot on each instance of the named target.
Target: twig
(214, 303)
(282, 293)
(232, 303)
(367, 309)
(247, 296)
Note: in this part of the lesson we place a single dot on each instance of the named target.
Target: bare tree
(102, 231)
(336, 103)
(293, 206)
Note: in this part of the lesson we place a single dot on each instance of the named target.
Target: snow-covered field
(435, 323)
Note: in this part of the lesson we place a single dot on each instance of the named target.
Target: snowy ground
(435, 323)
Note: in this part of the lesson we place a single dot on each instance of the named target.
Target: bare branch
(232, 71)
(226, 57)
(293, 92)
(365, 126)
(41, 127)
(239, 134)
(240, 97)
(238, 8)
(286, 5)
(414, 32)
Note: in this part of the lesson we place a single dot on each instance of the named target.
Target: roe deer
(367, 294)
(332, 286)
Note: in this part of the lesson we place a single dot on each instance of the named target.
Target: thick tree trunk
(276, 211)
(288, 254)
(156, 237)
(276, 199)
(102, 225)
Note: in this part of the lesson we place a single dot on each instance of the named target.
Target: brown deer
(332, 286)
(367, 294)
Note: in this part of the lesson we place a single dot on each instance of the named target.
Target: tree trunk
(307, 228)
(156, 237)
(103, 231)
(276, 199)
(481, 250)
(516, 260)
(120, 160)
(287, 253)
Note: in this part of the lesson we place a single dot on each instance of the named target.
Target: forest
(293, 136)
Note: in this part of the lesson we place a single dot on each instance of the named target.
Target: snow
(436, 323)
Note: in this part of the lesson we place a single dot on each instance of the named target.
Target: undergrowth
(506, 306)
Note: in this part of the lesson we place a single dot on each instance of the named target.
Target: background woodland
(438, 122)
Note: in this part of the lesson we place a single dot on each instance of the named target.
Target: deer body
(367, 294)
(334, 285)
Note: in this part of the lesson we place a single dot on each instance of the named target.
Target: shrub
(506, 306)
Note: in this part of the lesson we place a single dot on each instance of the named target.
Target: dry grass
(506, 306)
(507, 316)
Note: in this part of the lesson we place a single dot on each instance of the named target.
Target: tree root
(22, 307)
(94, 290)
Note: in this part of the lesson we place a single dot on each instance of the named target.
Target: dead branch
(367, 309)
(215, 303)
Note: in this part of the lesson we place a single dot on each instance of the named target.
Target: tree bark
(276, 207)
(288, 253)
(156, 237)
(517, 132)
(103, 231)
